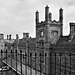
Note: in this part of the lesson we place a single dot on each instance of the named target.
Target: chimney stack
(25, 35)
(10, 37)
(7, 37)
(1, 36)
(46, 13)
(17, 37)
(72, 30)
(37, 17)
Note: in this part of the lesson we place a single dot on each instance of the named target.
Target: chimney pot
(10, 37)
(17, 37)
(7, 37)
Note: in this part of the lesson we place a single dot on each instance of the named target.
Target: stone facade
(49, 31)
(49, 38)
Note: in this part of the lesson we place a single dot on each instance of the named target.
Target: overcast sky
(18, 16)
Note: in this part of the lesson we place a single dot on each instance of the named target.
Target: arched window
(41, 32)
(41, 43)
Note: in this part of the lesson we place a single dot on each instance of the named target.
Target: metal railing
(51, 63)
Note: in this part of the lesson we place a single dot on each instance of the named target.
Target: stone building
(4, 43)
(9, 43)
(24, 44)
(49, 38)
(48, 32)
(66, 46)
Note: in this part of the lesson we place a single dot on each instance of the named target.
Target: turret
(61, 15)
(50, 16)
(46, 13)
(37, 17)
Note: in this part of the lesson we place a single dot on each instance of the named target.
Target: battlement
(48, 17)
(53, 23)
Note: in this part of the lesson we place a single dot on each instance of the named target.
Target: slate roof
(63, 40)
(65, 44)
(32, 43)
(22, 43)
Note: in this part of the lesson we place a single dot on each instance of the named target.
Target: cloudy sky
(18, 16)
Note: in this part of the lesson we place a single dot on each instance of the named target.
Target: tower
(48, 31)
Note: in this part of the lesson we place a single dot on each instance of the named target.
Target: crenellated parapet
(48, 17)
(51, 23)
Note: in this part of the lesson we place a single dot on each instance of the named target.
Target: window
(41, 33)
(54, 32)
(41, 43)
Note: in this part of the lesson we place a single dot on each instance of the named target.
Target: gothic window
(41, 43)
(42, 33)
